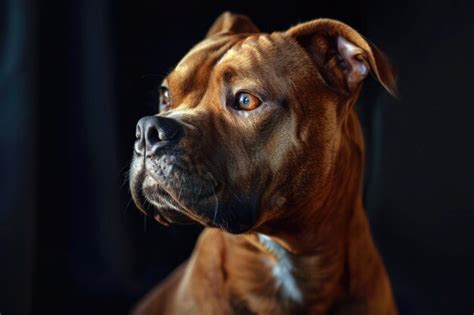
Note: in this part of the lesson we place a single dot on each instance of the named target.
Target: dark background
(75, 76)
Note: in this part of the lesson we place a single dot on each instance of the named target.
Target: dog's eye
(164, 98)
(246, 101)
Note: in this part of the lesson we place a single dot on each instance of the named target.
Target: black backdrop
(75, 76)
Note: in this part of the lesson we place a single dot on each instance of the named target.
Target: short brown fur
(310, 186)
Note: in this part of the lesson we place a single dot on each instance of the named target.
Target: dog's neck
(321, 254)
(318, 269)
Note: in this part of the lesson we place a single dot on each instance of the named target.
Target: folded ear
(343, 55)
(229, 22)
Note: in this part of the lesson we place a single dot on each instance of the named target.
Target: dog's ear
(229, 22)
(343, 55)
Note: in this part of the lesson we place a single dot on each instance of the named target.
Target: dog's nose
(154, 132)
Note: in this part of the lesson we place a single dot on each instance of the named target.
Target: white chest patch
(283, 270)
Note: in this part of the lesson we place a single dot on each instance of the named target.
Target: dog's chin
(162, 206)
(167, 215)
(236, 216)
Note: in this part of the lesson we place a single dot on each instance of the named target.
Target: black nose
(154, 132)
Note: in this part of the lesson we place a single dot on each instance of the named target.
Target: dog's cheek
(300, 167)
(286, 161)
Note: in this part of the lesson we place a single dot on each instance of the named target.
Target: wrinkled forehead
(252, 56)
(204, 55)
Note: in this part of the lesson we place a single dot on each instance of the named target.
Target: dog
(257, 139)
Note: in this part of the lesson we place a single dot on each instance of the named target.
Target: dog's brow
(227, 75)
(188, 72)
(176, 81)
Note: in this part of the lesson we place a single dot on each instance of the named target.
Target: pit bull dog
(257, 139)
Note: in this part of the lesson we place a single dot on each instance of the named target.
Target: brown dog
(257, 139)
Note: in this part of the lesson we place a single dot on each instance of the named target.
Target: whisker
(181, 184)
(125, 179)
(214, 194)
(125, 173)
(233, 193)
(216, 205)
(201, 183)
(126, 166)
(127, 205)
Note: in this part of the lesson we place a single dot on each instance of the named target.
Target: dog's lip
(161, 219)
(179, 207)
(201, 196)
(153, 208)
(148, 188)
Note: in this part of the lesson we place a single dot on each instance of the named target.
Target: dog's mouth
(174, 192)
(159, 204)
(166, 189)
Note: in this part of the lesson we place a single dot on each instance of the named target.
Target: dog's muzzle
(155, 151)
(171, 180)
(164, 180)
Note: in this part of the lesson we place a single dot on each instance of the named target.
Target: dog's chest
(283, 271)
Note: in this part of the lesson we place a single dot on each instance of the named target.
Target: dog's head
(251, 124)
